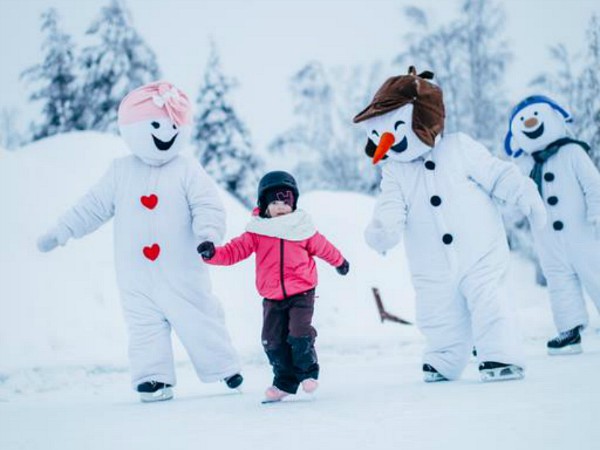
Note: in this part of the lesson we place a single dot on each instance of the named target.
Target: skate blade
(268, 401)
(159, 396)
(432, 377)
(574, 349)
(502, 374)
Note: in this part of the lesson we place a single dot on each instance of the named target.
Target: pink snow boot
(310, 385)
(274, 394)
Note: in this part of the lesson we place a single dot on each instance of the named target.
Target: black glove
(206, 249)
(343, 268)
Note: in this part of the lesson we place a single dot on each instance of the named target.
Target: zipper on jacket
(281, 267)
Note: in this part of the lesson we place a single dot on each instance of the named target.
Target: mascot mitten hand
(53, 238)
(379, 238)
(206, 250)
(533, 208)
(343, 268)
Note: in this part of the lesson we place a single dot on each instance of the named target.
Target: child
(285, 241)
(163, 203)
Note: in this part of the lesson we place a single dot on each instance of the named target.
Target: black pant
(289, 339)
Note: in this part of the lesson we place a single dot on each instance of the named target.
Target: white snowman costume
(569, 245)
(440, 199)
(163, 204)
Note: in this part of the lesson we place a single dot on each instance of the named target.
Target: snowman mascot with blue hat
(163, 204)
(569, 183)
(438, 193)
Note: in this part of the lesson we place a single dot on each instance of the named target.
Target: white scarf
(295, 226)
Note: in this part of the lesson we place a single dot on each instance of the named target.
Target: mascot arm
(589, 180)
(389, 218)
(208, 214)
(93, 209)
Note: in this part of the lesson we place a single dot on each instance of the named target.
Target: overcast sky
(262, 43)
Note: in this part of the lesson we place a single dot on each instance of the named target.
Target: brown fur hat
(428, 113)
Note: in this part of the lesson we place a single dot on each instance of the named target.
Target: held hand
(206, 249)
(343, 268)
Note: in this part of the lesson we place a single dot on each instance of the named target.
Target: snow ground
(64, 382)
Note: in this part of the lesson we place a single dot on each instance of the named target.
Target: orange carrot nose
(385, 142)
(531, 122)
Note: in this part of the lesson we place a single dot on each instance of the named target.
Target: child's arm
(233, 252)
(208, 214)
(503, 180)
(319, 246)
(90, 212)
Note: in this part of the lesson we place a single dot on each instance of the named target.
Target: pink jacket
(284, 267)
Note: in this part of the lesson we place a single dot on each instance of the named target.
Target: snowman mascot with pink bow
(163, 204)
(437, 193)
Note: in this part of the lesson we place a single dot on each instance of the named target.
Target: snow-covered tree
(118, 62)
(468, 56)
(10, 136)
(222, 141)
(55, 80)
(575, 80)
(324, 147)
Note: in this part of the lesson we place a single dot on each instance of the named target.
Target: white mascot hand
(47, 242)
(53, 239)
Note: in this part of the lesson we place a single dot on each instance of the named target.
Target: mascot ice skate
(569, 183)
(164, 205)
(437, 191)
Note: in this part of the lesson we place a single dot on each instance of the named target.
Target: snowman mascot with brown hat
(569, 245)
(438, 192)
(163, 204)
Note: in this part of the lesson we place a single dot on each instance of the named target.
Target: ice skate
(431, 375)
(234, 381)
(566, 343)
(273, 395)
(155, 391)
(495, 371)
(310, 385)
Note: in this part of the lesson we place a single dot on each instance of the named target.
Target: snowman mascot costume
(438, 192)
(163, 205)
(569, 183)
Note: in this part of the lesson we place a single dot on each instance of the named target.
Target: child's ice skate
(566, 343)
(273, 395)
(495, 371)
(155, 391)
(310, 385)
(431, 375)
(234, 381)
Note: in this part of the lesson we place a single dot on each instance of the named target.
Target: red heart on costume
(152, 252)
(149, 201)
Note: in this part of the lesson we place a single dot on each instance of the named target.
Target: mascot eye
(155, 125)
(535, 113)
(397, 124)
(174, 127)
(522, 118)
(375, 133)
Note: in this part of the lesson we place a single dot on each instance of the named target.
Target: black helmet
(276, 180)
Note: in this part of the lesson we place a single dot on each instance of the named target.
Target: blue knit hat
(522, 105)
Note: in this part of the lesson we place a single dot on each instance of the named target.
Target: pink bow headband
(155, 100)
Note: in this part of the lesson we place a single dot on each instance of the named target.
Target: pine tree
(120, 62)
(56, 77)
(221, 139)
(324, 147)
(469, 57)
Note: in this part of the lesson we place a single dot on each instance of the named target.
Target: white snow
(64, 381)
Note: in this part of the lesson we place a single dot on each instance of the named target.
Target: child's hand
(206, 249)
(343, 268)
